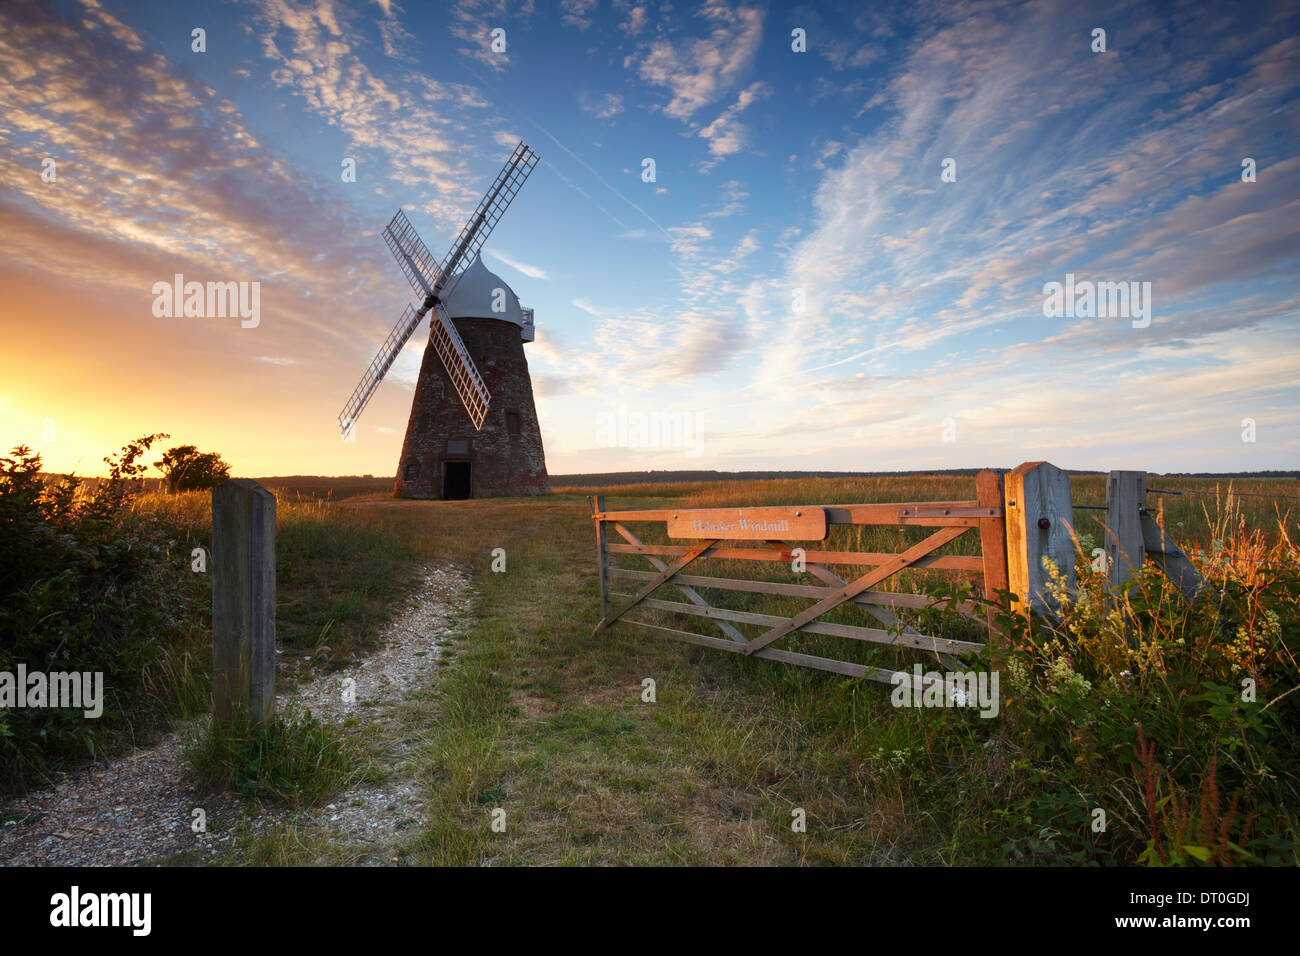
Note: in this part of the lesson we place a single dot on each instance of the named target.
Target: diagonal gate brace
(691, 594)
(883, 615)
(658, 581)
(889, 568)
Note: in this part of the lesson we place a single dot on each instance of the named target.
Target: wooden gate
(774, 536)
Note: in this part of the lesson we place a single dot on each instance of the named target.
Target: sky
(761, 236)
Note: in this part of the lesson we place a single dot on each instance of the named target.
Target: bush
(1178, 721)
(87, 584)
(185, 468)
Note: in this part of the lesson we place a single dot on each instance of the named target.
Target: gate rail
(750, 534)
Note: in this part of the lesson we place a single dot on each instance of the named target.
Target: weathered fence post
(602, 555)
(1126, 493)
(993, 543)
(243, 600)
(1039, 519)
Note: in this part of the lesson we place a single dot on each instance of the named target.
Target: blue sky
(780, 176)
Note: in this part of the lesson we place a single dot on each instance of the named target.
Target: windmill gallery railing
(1023, 521)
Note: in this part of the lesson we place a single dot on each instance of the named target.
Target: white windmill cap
(476, 292)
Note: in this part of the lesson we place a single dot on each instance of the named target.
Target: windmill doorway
(456, 480)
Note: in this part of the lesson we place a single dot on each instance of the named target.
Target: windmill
(459, 441)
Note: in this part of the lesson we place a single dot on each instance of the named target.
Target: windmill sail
(460, 367)
(412, 254)
(435, 281)
(489, 212)
(383, 360)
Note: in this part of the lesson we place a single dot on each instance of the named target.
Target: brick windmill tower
(473, 430)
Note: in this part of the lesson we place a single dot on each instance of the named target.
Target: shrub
(89, 585)
(1177, 720)
(185, 468)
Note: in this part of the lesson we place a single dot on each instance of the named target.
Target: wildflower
(1018, 676)
(1061, 676)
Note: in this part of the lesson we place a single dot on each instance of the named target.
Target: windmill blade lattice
(380, 364)
(383, 360)
(460, 367)
(412, 254)
(490, 209)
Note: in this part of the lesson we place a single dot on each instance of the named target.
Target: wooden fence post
(1039, 520)
(993, 543)
(1126, 493)
(602, 555)
(243, 600)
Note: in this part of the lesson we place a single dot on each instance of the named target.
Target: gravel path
(139, 808)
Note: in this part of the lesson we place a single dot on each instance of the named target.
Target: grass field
(542, 720)
(338, 570)
(534, 716)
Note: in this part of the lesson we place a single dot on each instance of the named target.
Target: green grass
(549, 721)
(541, 719)
(340, 574)
(339, 570)
(291, 759)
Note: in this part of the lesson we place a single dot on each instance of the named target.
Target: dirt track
(139, 808)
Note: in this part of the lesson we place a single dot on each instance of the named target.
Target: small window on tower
(458, 446)
(512, 423)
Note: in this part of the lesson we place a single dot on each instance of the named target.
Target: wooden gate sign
(752, 524)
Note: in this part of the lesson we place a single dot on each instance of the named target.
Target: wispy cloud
(636, 18)
(917, 263)
(533, 272)
(725, 135)
(404, 126)
(700, 70)
(577, 13)
(603, 106)
(472, 23)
